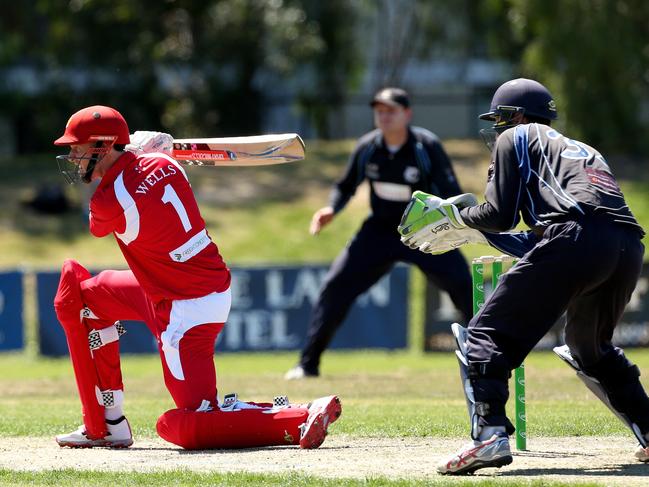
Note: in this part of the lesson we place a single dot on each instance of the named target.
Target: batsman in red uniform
(177, 284)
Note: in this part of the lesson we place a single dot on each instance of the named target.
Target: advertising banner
(11, 311)
(271, 307)
(633, 330)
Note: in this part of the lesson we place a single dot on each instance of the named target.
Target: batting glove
(145, 142)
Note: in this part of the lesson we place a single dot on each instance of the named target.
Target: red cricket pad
(68, 305)
(246, 428)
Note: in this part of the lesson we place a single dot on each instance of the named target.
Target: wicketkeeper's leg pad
(241, 428)
(615, 381)
(485, 388)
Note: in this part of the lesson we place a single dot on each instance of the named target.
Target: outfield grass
(385, 394)
(182, 477)
(261, 215)
(255, 214)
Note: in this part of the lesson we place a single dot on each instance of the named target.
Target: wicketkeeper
(583, 255)
(177, 284)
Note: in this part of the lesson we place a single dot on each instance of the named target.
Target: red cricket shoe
(322, 412)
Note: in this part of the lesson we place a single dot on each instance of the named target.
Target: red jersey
(148, 203)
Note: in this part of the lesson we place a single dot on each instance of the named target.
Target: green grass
(261, 215)
(70, 477)
(256, 215)
(385, 394)
(637, 197)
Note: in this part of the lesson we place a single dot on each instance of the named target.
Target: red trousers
(116, 295)
(186, 332)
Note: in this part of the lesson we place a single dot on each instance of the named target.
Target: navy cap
(534, 98)
(391, 96)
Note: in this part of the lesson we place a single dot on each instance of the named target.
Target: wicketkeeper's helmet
(521, 95)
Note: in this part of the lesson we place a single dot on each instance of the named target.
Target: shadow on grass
(243, 450)
(213, 451)
(553, 454)
(634, 470)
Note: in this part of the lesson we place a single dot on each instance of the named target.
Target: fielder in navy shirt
(396, 159)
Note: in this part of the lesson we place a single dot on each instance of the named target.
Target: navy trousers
(369, 256)
(589, 270)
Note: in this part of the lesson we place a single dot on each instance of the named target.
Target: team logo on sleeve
(411, 174)
(603, 179)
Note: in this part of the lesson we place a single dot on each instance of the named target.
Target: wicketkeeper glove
(145, 142)
(434, 225)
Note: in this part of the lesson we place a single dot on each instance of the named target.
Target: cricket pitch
(605, 460)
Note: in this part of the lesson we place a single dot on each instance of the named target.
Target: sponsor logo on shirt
(411, 174)
(392, 191)
(190, 248)
(602, 179)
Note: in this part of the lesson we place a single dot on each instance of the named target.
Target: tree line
(210, 66)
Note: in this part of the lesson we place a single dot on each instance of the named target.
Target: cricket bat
(257, 150)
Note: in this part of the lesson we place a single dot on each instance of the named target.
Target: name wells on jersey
(156, 176)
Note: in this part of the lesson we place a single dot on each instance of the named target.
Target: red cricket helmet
(95, 124)
(100, 126)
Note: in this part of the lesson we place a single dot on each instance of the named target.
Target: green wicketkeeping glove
(430, 222)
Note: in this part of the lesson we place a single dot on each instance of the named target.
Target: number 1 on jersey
(170, 196)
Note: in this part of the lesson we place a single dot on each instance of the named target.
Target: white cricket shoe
(119, 436)
(642, 454)
(493, 452)
(322, 412)
(298, 373)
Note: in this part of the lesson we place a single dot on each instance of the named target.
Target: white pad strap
(231, 403)
(110, 398)
(99, 338)
(87, 313)
(280, 402)
(204, 407)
